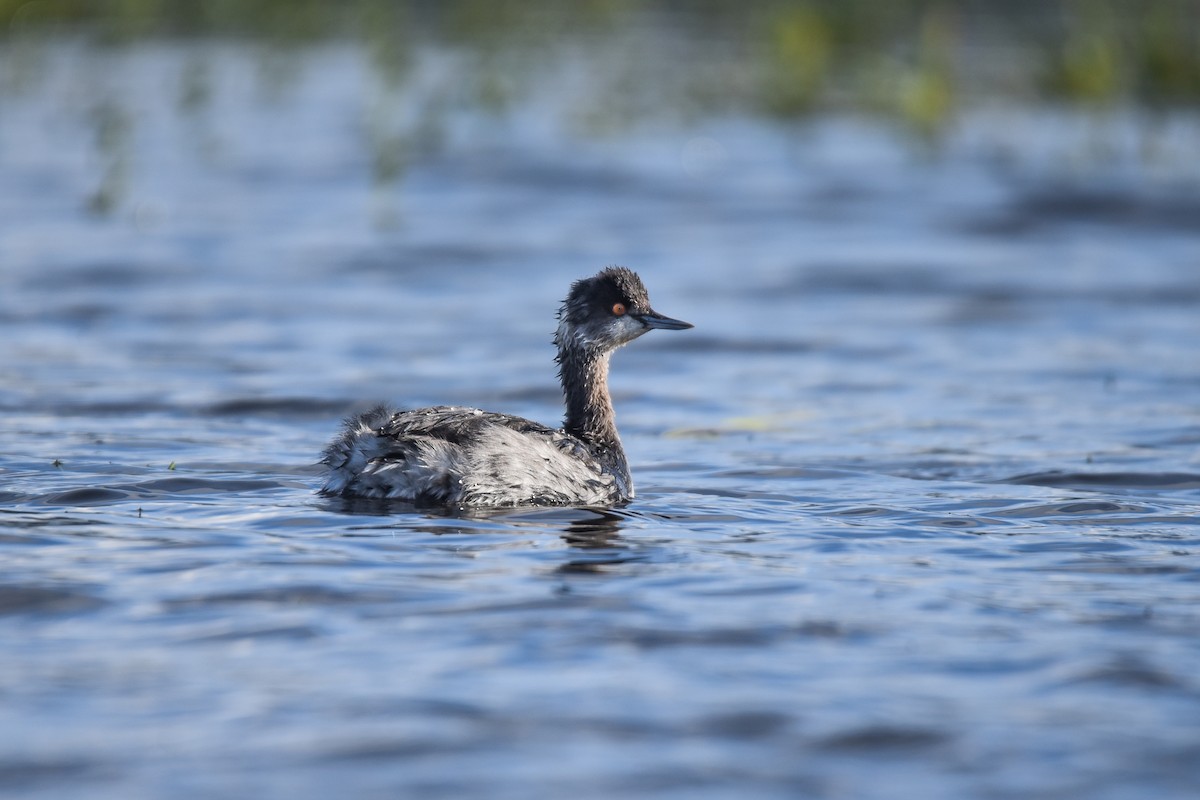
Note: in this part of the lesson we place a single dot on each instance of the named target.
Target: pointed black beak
(652, 319)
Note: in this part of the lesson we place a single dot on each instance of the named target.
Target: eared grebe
(459, 457)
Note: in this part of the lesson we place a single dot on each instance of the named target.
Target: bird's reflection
(583, 528)
(601, 530)
(596, 544)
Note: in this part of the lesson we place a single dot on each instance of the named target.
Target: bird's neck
(590, 416)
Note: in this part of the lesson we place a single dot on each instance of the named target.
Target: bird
(457, 457)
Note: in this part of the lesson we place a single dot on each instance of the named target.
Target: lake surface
(918, 499)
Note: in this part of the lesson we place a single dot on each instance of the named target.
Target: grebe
(464, 457)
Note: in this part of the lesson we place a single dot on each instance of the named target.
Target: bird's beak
(652, 319)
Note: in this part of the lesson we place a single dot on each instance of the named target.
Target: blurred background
(254, 160)
(917, 497)
(124, 89)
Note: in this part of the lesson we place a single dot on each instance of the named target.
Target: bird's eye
(618, 309)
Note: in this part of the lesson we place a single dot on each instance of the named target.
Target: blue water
(918, 497)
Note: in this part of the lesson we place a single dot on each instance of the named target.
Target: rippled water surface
(918, 497)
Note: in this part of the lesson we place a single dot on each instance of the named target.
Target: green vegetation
(914, 61)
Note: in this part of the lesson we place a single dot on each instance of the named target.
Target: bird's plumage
(454, 456)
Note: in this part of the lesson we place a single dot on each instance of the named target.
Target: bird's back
(452, 456)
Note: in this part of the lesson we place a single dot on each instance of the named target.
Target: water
(917, 497)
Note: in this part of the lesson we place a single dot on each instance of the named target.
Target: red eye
(618, 309)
